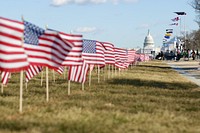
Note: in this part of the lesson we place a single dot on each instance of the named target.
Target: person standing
(193, 54)
(197, 54)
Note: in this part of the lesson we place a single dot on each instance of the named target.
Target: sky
(124, 23)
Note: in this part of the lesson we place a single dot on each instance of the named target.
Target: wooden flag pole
(108, 71)
(90, 74)
(104, 76)
(112, 71)
(42, 77)
(68, 92)
(115, 70)
(82, 86)
(119, 72)
(21, 83)
(47, 84)
(98, 74)
(21, 91)
(47, 80)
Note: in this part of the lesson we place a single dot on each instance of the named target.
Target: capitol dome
(148, 41)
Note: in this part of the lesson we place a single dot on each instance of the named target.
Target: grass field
(148, 98)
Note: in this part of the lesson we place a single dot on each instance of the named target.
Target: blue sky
(124, 23)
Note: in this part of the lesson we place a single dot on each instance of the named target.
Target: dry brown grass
(149, 98)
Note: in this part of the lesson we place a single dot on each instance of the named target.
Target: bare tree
(196, 5)
(193, 40)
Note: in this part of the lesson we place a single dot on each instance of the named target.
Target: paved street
(189, 69)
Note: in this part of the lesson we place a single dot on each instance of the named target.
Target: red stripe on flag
(12, 54)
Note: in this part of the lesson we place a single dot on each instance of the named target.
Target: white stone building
(149, 47)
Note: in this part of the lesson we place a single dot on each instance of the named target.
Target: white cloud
(85, 30)
(60, 2)
(81, 2)
(98, 1)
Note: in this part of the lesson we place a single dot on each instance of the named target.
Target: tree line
(193, 38)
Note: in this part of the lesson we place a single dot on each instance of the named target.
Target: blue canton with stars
(32, 33)
(89, 46)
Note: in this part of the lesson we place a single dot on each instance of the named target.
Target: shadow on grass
(153, 84)
(162, 67)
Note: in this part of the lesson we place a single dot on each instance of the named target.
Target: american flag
(74, 55)
(60, 70)
(121, 56)
(141, 57)
(78, 73)
(109, 53)
(175, 19)
(12, 54)
(176, 24)
(93, 52)
(131, 56)
(147, 58)
(45, 47)
(77, 68)
(32, 71)
(4, 77)
(137, 57)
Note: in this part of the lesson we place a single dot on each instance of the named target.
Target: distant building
(173, 45)
(149, 45)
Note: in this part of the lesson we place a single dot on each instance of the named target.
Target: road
(189, 69)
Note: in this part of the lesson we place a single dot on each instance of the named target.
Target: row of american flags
(25, 46)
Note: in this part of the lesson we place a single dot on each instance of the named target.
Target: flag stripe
(109, 53)
(74, 55)
(32, 71)
(12, 54)
(4, 77)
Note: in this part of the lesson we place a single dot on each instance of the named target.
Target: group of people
(187, 53)
(160, 56)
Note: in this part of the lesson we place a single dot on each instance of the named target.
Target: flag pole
(68, 89)
(112, 71)
(180, 26)
(21, 82)
(104, 76)
(68, 92)
(42, 77)
(185, 31)
(47, 84)
(115, 70)
(108, 71)
(47, 81)
(21, 91)
(98, 73)
(119, 72)
(90, 75)
(82, 86)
